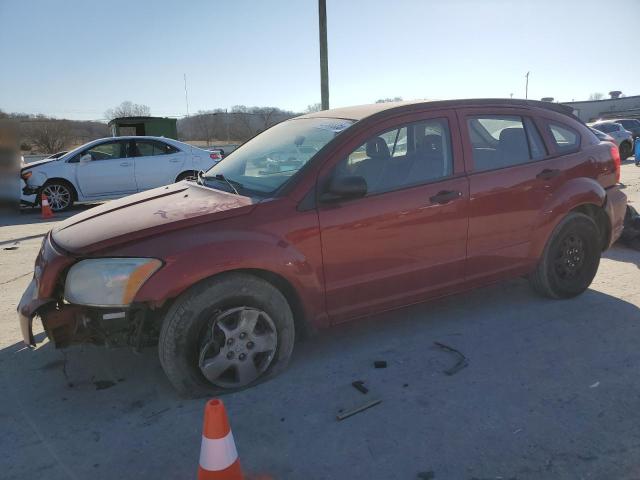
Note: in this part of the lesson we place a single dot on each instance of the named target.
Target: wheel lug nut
(242, 335)
(249, 345)
(230, 355)
(230, 341)
(242, 356)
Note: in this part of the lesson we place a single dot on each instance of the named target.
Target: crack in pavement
(16, 278)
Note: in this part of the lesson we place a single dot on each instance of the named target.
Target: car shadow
(533, 364)
(622, 253)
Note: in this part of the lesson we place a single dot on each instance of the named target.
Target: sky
(77, 58)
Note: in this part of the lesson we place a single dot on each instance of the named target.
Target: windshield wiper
(220, 176)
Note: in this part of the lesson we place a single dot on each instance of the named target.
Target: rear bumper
(616, 207)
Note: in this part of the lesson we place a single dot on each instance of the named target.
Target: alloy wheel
(239, 345)
(58, 195)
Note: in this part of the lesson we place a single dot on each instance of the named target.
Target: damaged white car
(111, 168)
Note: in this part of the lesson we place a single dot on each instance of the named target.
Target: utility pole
(526, 87)
(324, 62)
(186, 97)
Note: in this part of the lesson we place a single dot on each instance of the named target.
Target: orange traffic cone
(218, 454)
(46, 209)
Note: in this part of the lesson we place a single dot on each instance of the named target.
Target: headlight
(111, 282)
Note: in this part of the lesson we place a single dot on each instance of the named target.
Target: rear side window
(500, 141)
(566, 139)
(161, 148)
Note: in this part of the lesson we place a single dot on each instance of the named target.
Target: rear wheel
(191, 176)
(226, 334)
(59, 195)
(570, 259)
(625, 150)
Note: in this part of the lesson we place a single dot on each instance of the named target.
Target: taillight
(615, 155)
(215, 156)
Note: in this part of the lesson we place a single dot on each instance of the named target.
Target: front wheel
(226, 334)
(59, 195)
(570, 259)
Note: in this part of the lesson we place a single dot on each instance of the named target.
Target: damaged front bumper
(66, 323)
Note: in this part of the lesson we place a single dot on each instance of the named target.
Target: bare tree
(315, 107)
(127, 109)
(50, 136)
(596, 96)
(385, 100)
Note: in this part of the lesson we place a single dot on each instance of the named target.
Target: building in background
(614, 107)
(144, 126)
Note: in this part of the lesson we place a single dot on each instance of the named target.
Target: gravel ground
(551, 391)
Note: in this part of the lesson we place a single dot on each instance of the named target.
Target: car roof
(360, 112)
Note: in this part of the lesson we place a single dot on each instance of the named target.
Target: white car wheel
(59, 196)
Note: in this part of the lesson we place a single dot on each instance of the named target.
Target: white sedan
(113, 167)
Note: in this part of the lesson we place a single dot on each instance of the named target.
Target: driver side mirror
(86, 158)
(344, 188)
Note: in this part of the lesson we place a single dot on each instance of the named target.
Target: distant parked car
(603, 137)
(623, 137)
(111, 168)
(630, 124)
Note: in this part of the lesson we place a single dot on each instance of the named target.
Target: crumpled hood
(144, 214)
(27, 166)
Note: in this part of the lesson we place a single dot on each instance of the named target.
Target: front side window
(500, 141)
(265, 163)
(409, 155)
(566, 139)
(105, 151)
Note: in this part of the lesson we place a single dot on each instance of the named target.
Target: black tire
(570, 259)
(191, 175)
(60, 195)
(191, 318)
(625, 151)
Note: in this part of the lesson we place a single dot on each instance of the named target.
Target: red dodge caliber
(327, 217)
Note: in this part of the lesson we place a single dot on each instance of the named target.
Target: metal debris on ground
(359, 385)
(380, 364)
(359, 409)
(460, 364)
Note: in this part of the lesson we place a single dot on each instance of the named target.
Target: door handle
(174, 160)
(124, 164)
(548, 174)
(445, 196)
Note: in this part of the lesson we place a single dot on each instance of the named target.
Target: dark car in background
(400, 203)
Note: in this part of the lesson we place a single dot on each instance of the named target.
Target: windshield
(265, 163)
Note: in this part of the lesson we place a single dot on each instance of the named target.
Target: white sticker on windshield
(335, 126)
